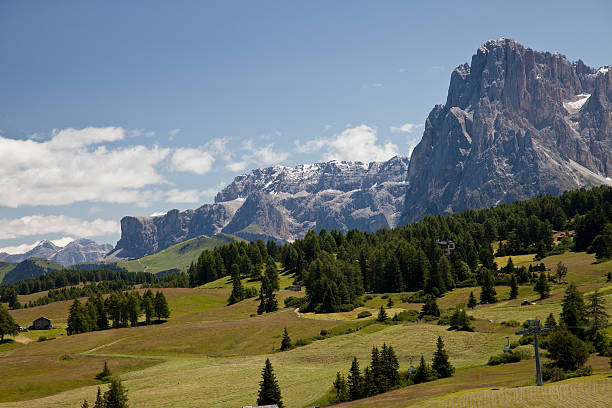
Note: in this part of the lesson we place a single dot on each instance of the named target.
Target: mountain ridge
(77, 251)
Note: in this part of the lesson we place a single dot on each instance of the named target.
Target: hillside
(30, 268)
(176, 257)
(5, 267)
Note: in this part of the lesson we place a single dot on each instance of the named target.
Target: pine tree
(340, 387)
(390, 303)
(116, 396)
(85, 404)
(355, 381)
(269, 391)
(573, 310)
(286, 341)
(440, 363)
(237, 290)
(561, 271)
(261, 309)
(513, 287)
(8, 327)
(148, 309)
(99, 402)
(390, 365)
(105, 373)
(542, 286)
(76, 318)
(272, 274)
(487, 295)
(133, 305)
(596, 310)
(422, 372)
(162, 311)
(550, 321)
(369, 383)
(430, 307)
(471, 301)
(382, 315)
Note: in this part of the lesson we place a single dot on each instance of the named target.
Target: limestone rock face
(281, 203)
(516, 123)
(80, 250)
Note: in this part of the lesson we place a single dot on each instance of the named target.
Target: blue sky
(110, 109)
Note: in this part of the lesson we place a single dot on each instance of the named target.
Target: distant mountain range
(80, 250)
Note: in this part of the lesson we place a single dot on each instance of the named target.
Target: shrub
(523, 341)
(250, 292)
(323, 332)
(428, 318)
(384, 296)
(42, 338)
(566, 350)
(553, 373)
(302, 342)
(511, 323)
(293, 301)
(406, 316)
(505, 358)
(363, 314)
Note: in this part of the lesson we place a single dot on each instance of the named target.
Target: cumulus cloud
(55, 224)
(75, 166)
(359, 143)
(257, 156)
(193, 160)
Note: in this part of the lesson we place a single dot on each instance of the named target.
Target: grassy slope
(30, 268)
(212, 355)
(6, 267)
(177, 256)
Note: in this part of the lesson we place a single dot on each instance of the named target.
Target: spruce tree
(382, 315)
(76, 318)
(573, 310)
(596, 311)
(237, 290)
(513, 287)
(471, 301)
(269, 391)
(550, 321)
(162, 311)
(272, 274)
(116, 396)
(542, 286)
(85, 404)
(390, 365)
(422, 372)
(430, 307)
(340, 387)
(390, 303)
(488, 293)
(261, 309)
(440, 363)
(369, 383)
(286, 341)
(105, 373)
(148, 309)
(355, 381)
(99, 402)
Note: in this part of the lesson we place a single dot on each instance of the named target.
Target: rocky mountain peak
(516, 123)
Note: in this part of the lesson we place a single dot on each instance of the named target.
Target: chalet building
(42, 323)
(261, 406)
(446, 246)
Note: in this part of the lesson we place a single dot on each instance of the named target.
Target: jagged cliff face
(281, 203)
(516, 123)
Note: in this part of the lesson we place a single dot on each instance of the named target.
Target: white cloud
(55, 224)
(257, 156)
(23, 248)
(173, 133)
(62, 242)
(193, 160)
(140, 132)
(357, 143)
(70, 168)
(406, 128)
(378, 85)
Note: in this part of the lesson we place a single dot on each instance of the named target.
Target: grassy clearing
(6, 267)
(303, 373)
(580, 392)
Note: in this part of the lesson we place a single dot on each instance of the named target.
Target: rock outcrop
(281, 203)
(80, 250)
(516, 123)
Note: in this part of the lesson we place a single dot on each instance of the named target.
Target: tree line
(120, 309)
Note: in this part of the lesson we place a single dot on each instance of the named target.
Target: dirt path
(102, 346)
(20, 338)
(297, 312)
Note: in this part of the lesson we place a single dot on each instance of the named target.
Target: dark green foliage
(459, 320)
(8, 327)
(488, 293)
(471, 301)
(160, 305)
(363, 314)
(269, 391)
(573, 313)
(355, 381)
(390, 303)
(237, 290)
(382, 315)
(423, 372)
(440, 363)
(430, 307)
(513, 287)
(99, 402)
(542, 286)
(550, 321)
(505, 358)
(566, 350)
(104, 374)
(267, 299)
(286, 341)
(293, 301)
(342, 393)
(596, 310)
(602, 243)
(116, 396)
